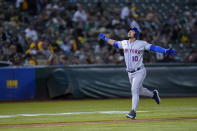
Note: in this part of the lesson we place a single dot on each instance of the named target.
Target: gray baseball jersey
(133, 52)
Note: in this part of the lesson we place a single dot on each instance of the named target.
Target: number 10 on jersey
(135, 58)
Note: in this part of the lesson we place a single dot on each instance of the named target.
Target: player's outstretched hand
(102, 36)
(171, 51)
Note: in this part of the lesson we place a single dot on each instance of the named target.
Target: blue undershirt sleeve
(157, 49)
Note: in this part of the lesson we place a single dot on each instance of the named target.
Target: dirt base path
(94, 122)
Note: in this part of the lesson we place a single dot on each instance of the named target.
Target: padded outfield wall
(93, 81)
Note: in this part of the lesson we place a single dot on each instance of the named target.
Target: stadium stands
(33, 32)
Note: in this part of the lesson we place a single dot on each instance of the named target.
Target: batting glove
(171, 51)
(103, 37)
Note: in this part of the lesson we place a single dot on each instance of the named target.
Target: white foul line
(67, 113)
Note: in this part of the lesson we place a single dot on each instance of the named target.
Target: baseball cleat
(131, 115)
(156, 96)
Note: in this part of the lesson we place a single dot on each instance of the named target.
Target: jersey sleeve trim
(147, 46)
(119, 44)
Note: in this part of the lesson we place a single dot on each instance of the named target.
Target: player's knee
(135, 90)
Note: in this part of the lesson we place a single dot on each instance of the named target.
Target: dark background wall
(112, 81)
(93, 81)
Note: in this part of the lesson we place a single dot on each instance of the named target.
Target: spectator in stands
(184, 38)
(5, 48)
(63, 60)
(116, 20)
(100, 8)
(17, 60)
(175, 32)
(133, 9)
(152, 15)
(98, 60)
(80, 16)
(192, 56)
(193, 33)
(55, 44)
(171, 20)
(89, 58)
(45, 50)
(18, 3)
(53, 59)
(22, 40)
(11, 14)
(124, 12)
(31, 33)
(176, 11)
(90, 27)
(120, 31)
(30, 60)
(67, 44)
(61, 6)
(41, 4)
(106, 59)
(13, 57)
(75, 60)
(32, 49)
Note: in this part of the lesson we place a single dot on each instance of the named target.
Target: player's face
(131, 33)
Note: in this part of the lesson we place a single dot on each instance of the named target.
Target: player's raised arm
(109, 41)
(162, 50)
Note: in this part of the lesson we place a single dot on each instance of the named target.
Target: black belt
(132, 71)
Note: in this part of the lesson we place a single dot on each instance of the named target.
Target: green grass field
(177, 114)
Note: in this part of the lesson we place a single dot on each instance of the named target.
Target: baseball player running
(133, 54)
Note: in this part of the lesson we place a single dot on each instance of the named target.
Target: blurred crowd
(41, 32)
